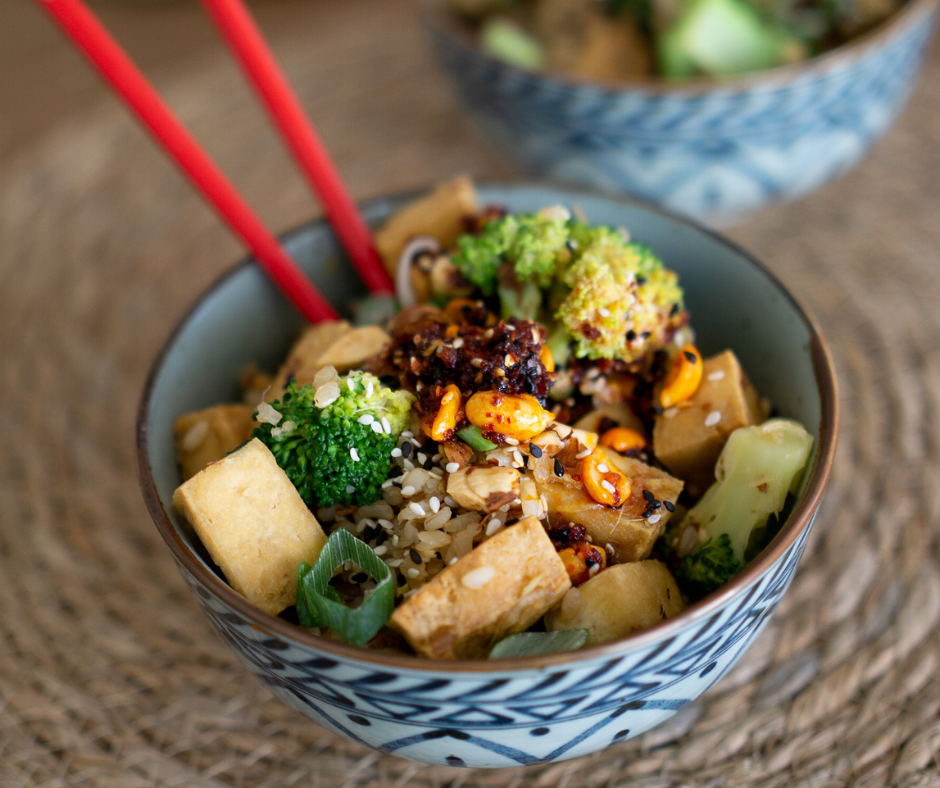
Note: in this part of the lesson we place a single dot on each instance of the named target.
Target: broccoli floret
(709, 567)
(757, 469)
(339, 453)
(623, 302)
(533, 244)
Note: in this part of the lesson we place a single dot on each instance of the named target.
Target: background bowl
(512, 712)
(712, 149)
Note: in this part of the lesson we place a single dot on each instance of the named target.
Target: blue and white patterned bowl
(505, 712)
(716, 150)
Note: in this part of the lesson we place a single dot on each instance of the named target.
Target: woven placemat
(109, 673)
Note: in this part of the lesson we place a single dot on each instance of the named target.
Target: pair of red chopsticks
(243, 36)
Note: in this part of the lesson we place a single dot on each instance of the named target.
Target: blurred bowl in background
(716, 150)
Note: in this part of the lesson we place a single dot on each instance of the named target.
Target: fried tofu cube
(501, 587)
(689, 438)
(253, 523)
(208, 435)
(618, 601)
(330, 343)
(622, 531)
(439, 214)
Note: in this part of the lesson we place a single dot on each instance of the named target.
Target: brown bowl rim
(800, 518)
(909, 14)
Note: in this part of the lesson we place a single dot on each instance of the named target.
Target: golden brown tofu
(618, 601)
(688, 439)
(501, 587)
(331, 343)
(254, 524)
(208, 435)
(630, 535)
(439, 214)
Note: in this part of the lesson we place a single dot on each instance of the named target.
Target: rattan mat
(109, 673)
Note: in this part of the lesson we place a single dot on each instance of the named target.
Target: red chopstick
(80, 24)
(240, 30)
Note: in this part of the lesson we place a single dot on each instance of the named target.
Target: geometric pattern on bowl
(715, 154)
(562, 713)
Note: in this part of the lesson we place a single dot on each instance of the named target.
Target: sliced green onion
(473, 437)
(319, 604)
(530, 644)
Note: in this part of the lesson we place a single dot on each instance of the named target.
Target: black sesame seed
(674, 311)
(631, 335)
(670, 506)
(381, 538)
(655, 504)
(428, 464)
(690, 356)
(535, 450)
(646, 335)
(646, 512)
(414, 555)
(369, 533)
(525, 460)
(400, 580)
(657, 410)
(648, 495)
(406, 449)
(559, 469)
(359, 577)
(641, 280)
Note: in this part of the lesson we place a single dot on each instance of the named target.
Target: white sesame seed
(448, 501)
(594, 570)
(476, 362)
(453, 561)
(517, 456)
(350, 384)
(452, 467)
(718, 374)
(581, 455)
(414, 442)
(603, 468)
(422, 457)
(408, 490)
(477, 578)
(654, 518)
(417, 508)
(670, 413)
(435, 504)
(713, 418)
(435, 474)
(609, 548)
(366, 418)
(354, 454)
(608, 486)
(535, 335)
(376, 427)
(386, 524)
(387, 483)
(504, 507)
(511, 441)
(396, 452)
(381, 550)
(412, 572)
(408, 465)
(407, 434)
(603, 312)
(493, 526)
(386, 426)
(394, 540)
(370, 389)
(458, 343)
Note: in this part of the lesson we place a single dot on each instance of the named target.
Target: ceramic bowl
(716, 150)
(505, 712)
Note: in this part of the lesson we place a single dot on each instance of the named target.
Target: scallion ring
(319, 604)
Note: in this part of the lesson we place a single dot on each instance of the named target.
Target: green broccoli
(339, 453)
(758, 467)
(623, 302)
(533, 244)
(722, 38)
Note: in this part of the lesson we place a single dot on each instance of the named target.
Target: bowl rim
(908, 15)
(799, 520)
